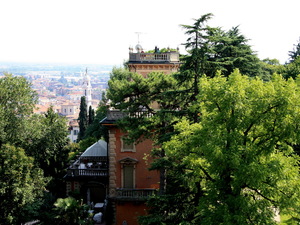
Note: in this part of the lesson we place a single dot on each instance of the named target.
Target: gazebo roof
(98, 149)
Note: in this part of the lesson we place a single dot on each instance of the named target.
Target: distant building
(87, 89)
(73, 130)
(69, 109)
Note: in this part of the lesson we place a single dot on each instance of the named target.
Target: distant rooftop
(170, 56)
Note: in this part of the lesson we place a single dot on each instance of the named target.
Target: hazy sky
(101, 31)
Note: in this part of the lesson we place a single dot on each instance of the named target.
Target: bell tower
(87, 88)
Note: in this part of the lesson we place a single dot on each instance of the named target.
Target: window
(128, 167)
(128, 178)
(127, 147)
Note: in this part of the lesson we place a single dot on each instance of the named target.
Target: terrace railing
(134, 194)
(154, 57)
(73, 172)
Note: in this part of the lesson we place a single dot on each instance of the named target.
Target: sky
(101, 32)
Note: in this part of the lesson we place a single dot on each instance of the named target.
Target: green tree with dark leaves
(240, 154)
(91, 115)
(83, 118)
(21, 182)
(45, 139)
(198, 47)
(188, 185)
(138, 98)
(295, 52)
(95, 130)
(70, 211)
(292, 69)
(230, 51)
(17, 100)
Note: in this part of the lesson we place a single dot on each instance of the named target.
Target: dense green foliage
(239, 150)
(95, 130)
(17, 101)
(238, 161)
(213, 49)
(70, 211)
(20, 182)
(224, 141)
(32, 146)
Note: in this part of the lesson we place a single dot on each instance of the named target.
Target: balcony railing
(154, 57)
(134, 194)
(87, 172)
(117, 114)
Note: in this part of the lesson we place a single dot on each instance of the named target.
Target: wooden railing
(87, 172)
(134, 194)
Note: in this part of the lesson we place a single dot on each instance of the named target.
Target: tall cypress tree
(91, 115)
(83, 118)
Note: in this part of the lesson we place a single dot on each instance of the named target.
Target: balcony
(167, 57)
(126, 194)
(73, 172)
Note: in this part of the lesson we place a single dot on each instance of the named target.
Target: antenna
(138, 35)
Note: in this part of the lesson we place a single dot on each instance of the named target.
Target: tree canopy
(17, 100)
(20, 182)
(239, 157)
(224, 141)
(32, 146)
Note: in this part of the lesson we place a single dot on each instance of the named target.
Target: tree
(239, 157)
(95, 130)
(291, 70)
(231, 51)
(135, 95)
(198, 48)
(44, 138)
(295, 52)
(91, 115)
(184, 95)
(17, 101)
(46, 141)
(270, 67)
(213, 49)
(71, 212)
(20, 182)
(83, 118)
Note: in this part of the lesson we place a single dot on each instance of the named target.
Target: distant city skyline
(100, 32)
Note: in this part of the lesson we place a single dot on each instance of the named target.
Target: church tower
(87, 88)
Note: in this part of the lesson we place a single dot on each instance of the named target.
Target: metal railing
(134, 194)
(87, 172)
(154, 57)
(117, 114)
